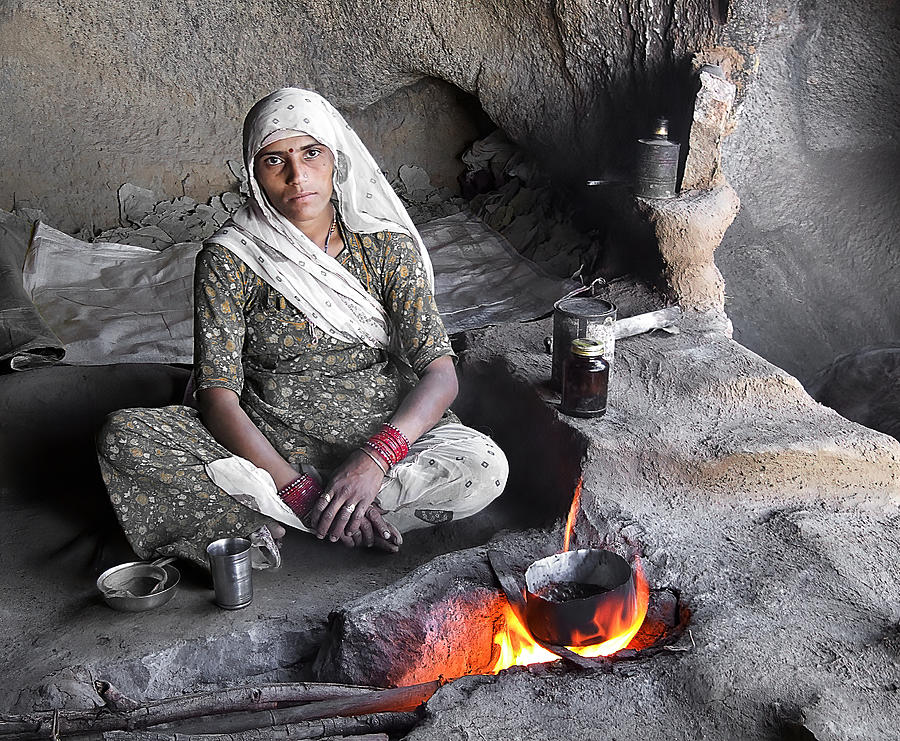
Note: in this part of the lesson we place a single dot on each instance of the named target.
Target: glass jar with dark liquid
(585, 380)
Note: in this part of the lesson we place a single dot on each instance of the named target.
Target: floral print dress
(314, 397)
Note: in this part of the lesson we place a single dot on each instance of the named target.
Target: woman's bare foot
(278, 532)
(266, 551)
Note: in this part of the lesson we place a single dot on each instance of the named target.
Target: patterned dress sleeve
(410, 303)
(220, 297)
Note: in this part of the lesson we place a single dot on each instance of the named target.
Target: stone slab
(775, 519)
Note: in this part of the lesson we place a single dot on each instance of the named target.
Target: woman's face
(295, 174)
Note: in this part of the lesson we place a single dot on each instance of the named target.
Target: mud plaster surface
(776, 519)
(793, 622)
(688, 229)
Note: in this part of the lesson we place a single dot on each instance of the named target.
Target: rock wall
(100, 92)
(811, 263)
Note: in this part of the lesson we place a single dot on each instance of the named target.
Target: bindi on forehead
(291, 150)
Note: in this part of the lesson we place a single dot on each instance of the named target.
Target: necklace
(330, 232)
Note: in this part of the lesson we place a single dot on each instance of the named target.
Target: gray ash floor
(59, 533)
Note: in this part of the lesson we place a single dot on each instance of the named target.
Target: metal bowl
(134, 586)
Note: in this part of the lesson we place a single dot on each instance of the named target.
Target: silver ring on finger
(349, 508)
(326, 498)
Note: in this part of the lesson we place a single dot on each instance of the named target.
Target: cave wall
(100, 92)
(812, 262)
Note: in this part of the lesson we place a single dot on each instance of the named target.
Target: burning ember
(578, 606)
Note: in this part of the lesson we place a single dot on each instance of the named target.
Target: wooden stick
(325, 728)
(377, 701)
(174, 709)
(398, 699)
(641, 323)
(113, 698)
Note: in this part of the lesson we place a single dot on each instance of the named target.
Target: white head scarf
(331, 297)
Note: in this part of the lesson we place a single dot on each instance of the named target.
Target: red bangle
(301, 494)
(396, 439)
(403, 437)
(390, 444)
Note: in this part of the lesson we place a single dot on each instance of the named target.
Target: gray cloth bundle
(25, 339)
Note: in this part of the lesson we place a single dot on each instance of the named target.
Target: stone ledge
(776, 519)
(696, 414)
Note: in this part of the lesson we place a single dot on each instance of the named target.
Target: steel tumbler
(229, 562)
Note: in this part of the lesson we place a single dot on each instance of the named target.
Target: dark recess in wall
(429, 124)
(720, 11)
(470, 104)
(630, 111)
(544, 454)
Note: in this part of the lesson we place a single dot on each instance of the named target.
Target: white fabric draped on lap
(452, 469)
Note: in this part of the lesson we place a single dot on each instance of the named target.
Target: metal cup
(229, 562)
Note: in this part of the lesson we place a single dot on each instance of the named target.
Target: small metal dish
(137, 586)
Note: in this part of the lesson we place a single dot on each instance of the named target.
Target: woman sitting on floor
(319, 351)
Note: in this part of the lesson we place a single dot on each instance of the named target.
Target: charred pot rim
(668, 618)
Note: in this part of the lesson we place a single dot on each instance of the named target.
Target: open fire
(620, 618)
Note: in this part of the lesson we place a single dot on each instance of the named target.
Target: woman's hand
(356, 482)
(375, 531)
(344, 504)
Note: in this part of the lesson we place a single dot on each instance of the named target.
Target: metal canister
(581, 316)
(657, 168)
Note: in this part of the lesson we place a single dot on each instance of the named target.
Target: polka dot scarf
(315, 283)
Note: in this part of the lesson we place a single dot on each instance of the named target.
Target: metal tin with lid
(657, 168)
(580, 316)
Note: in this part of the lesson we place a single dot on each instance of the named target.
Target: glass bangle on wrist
(379, 461)
(389, 444)
(301, 494)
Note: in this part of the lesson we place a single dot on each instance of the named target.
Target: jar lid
(587, 307)
(586, 348)
(661, 128)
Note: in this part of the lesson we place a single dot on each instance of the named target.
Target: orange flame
(517, 647)
(573, 514)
